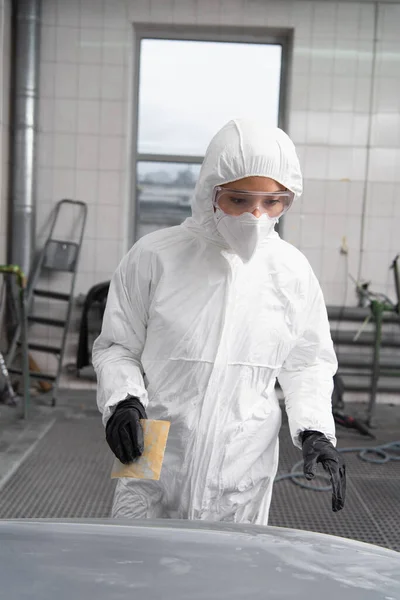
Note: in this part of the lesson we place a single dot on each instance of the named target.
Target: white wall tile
(376, 268)
(396, 203)
(346, 163)
(92, 13)
(343, 93)
(67, 45)
(320, 92)
(64, 151)
(291, 228)
(363, 94)
(44, 185)
(312, 231)
(313, 200)
(336, 197)
(298, 126)
(301, 18)
(86, 188)
(300, 91)
(114, 83)
(360, 129)
(384, 165)
(49, 13)
(65, 116)
(89, 116)
(389, 19)
(353, 233)
(46, 115)
(348, 20)
(90, 230)
(341, 129)
(377, 229)
(109, 191)
(89, 82)
(302, 57)
(380, 199)
(87, 152)
(139, 11)
(315, 165)
(232, 11)
(322, 57)
(364, 56)
(355, 198)
(366, 21)
(115, 13)
(334, 229)
(63, 184)
(161, 11)
(67, 12)
(91, 46)
(387, 94)
(113, 118)
(325, 20)
(115, 46)
(47, 79)
(66, 81)
(346, 58)
(318, 127)
(209, 11)
(108, 255)
(109, 223)
(111, 153)
(48, 42)
(87, 260)
(314, 257)
(387, 59)
(45, 145)
(386, 129)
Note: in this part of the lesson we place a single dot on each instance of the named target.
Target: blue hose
(378, 455)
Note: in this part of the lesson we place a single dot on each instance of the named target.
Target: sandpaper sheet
(149, 465)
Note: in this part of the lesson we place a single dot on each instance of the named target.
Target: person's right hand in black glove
(318, 449)
(124, 433)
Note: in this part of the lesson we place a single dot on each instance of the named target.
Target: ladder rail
(70, 303)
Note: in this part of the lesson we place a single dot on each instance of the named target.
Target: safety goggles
(236, 202)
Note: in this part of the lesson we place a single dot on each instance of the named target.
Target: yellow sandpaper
(147, 466)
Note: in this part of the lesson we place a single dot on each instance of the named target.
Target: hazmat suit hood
(242, 148)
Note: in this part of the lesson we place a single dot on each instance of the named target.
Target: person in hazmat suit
(201, 320)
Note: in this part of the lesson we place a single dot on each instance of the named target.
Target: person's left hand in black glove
(318, 449)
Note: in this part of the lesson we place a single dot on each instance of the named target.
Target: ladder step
(43, 348)
(47, 321)
(34, 375)
(53, 295)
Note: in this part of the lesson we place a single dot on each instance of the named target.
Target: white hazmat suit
(200, 337)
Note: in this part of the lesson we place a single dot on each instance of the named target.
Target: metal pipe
(23, 131)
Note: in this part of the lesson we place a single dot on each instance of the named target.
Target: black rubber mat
(67, 475)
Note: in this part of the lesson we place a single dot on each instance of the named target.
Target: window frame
(233, 34)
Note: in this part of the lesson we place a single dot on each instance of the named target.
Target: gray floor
(58, 466)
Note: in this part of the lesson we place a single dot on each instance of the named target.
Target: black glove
(318, 449)
(124, 433)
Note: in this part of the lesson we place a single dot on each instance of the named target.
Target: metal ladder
(57, 256)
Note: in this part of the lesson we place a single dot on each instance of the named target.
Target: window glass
(189, 89)
(164, 192)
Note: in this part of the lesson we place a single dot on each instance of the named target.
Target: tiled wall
(344, 122)
(5, 58)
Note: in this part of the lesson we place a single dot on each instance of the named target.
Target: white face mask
(244, 233)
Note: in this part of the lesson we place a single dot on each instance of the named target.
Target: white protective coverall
(200, 337)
